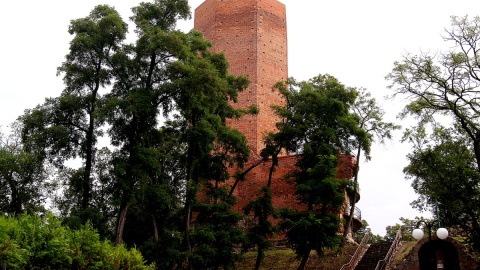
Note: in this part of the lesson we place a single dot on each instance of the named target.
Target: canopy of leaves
(33, 242)
(317, 124)
(24, 181)
(445, 83)
(445, 176)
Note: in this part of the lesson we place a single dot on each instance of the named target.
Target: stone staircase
(375, 253)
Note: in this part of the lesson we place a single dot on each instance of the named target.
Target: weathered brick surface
(282, 187)
(346, 167)
(253, 36)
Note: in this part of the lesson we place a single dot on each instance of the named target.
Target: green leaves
(33, 242)
(317, 112)
(444, 174)
(308, 231)
(317, 124)
(23, 179)
(161, 14)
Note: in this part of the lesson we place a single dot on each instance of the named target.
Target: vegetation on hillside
(162, 102)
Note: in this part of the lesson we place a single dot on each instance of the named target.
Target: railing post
(381, 265)
(359, 252)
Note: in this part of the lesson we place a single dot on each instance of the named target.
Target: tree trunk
(192, 180)
(260, 256)
(188, 242)
(155, 236)
(88, 166)
(240, 177)
(15, 202)
(121, 222)
(304, 261)
(476, 149)
(90, 141)
(263, 218)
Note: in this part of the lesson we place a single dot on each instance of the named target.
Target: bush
(33, 242)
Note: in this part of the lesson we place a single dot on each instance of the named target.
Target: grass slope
(287, 260)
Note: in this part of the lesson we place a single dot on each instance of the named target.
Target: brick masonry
(253, 36)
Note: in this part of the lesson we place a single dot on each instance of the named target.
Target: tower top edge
(230, 2)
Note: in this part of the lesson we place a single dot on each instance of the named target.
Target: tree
(442, 90)
(407, 226)
(172, 74)
(445, 84)
(444, 175)
(317, 125)
(262, 207)
(24, 181)
(371, 120)
(68, 126)
(141, 73)
(202, 92)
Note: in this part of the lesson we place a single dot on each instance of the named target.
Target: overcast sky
(355, 41)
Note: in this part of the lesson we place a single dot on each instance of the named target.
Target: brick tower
(253, 36)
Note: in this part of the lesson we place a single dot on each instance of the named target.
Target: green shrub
(11, 255)
(33, 242)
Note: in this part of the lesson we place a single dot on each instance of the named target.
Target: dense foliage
(317, 124)
(163, 102)
(34, 242)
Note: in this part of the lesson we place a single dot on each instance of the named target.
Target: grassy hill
(286, 260)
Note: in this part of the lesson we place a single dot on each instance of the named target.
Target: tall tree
(141, 73)
(443, 90)
(68, 126)
(97, 36)
(202, 92)
(371, 120)
(445, 84)
(318, 127)
(262, 206)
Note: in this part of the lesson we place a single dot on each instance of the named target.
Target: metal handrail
(362, 247)
(357, 213)
(383, 263)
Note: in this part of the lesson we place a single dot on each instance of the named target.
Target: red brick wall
(253, 36)
(282, 187)
(346, 166)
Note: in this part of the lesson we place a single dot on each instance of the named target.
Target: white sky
(355, 41)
